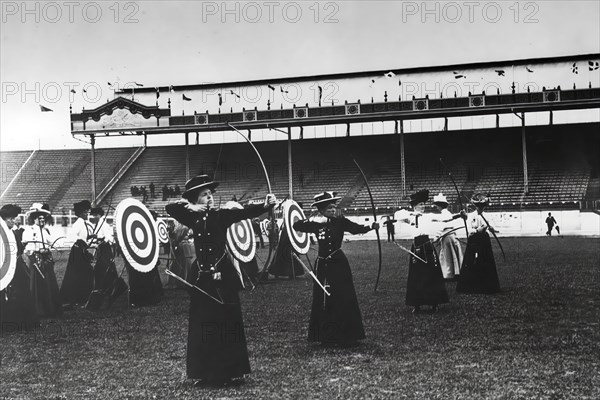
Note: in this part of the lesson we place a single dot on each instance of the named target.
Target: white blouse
(81, 230)
(36, 238)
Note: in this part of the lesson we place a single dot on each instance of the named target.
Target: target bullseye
(291, 214)
(137, 234)
(163, 232)
(240, 237)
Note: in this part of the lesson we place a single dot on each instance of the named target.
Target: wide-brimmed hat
(480, 200)
(81, 206)
(419, 197)
(325, 198)
(38, 209)
(9, 211)
(197, 183)
(440, 200)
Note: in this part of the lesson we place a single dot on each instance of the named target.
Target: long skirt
(283, 263)
(78, 282)
(145, 288)
(105, 271)
(451, 256)
(17, 305)
(335, 318)
(478, 272)
(44, 286)
(216, 344)
(425, 284)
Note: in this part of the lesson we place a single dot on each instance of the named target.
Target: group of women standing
(217, 352)
(216, 344)
(34, 292)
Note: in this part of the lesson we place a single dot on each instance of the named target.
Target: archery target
(137, 234)
(240, 237)
(162, 231)
(264, 227)
(8, 255)
(292, 213)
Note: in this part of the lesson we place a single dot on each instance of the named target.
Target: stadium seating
(560, 164)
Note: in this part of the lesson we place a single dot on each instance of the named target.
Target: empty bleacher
(561, 161)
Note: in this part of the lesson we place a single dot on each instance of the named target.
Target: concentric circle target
(137, 234)
(292, 213)
(240, 237)
(162, 231)
(8, 255)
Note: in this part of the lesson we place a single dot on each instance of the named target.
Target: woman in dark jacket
(335, 318)
(216, 351)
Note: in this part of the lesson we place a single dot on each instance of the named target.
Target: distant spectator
(65, 219)
(144, 194)
(389, 224)
(132, 189)
(165, 192)
(550, 221)
(152, 190)
(177, 191)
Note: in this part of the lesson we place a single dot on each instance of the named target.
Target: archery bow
(374, 219)
(273, 227)
(457, 193)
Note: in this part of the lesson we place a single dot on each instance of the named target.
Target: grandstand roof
(434, 68)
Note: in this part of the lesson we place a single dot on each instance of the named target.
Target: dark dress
(478, 272)
(44, 289)
(105, 270)
(216, 346)
(17, 305)
(335, 318)
(425, 284)
(78, 282)
(145, 288)
(283, 260)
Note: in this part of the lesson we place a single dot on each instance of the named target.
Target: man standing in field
(550, 221)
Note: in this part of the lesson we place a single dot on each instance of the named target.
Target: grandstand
(563, 167)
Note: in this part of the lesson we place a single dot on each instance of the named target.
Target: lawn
(537, 339)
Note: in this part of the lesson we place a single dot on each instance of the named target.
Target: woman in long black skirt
(425, 283)
(78, 282)
(335, 318)
(17, 305)
(37, 240)
(216, 350)
(478, 272)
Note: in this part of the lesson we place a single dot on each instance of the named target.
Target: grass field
(538, 339)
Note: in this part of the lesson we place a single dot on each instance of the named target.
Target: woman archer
(478, 271)
(216, 348)
(334, 319)
(78, 282)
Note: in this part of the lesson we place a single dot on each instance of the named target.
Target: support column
(524, 145)
(290, 177)
(93, 143)
(402, 161)
(187, 157)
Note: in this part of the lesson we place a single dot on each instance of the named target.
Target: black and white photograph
(305, 199)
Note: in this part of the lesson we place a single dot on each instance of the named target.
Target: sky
(50, 47)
